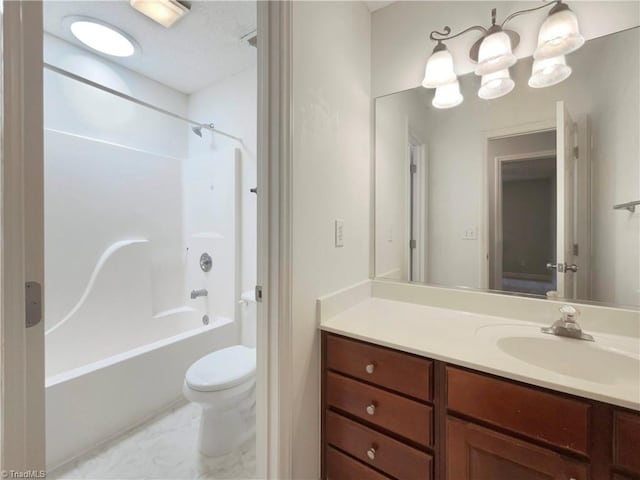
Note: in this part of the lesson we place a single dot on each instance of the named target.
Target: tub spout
(199, 293)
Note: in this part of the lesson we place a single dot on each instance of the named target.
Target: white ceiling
(202, 48)
(377, 5)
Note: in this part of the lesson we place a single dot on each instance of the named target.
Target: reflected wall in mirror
(517, 194)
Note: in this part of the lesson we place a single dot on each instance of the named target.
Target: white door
(22, 401)
(565, 187)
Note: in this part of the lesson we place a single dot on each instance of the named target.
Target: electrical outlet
(470, 233)
(339, 233)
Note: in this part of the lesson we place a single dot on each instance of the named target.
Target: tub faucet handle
(199, 293)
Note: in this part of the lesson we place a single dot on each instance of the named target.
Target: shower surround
(129, 208)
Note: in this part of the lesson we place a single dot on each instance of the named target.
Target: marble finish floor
(163, 448)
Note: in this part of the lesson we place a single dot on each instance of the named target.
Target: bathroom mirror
(522, 194)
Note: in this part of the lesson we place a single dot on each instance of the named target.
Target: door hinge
(576, 152)
(258, 293)
(412, 244)
(413, 168)
(33, 303)
(576, 249)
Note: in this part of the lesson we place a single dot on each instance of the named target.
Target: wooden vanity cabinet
(475, 452)
(626, 443)
(388, 414)
(377, 412)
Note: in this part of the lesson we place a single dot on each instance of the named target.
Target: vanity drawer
(342, 467)
(544, 416)
(402, 372)
(376, 449)
(397, 414)
(626, 440)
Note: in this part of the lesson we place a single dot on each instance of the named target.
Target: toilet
(223, 384)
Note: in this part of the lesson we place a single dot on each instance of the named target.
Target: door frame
(417, 188)
(495, 206)
(488, 181)
(274, 444)
(22, 68)
(22, 409)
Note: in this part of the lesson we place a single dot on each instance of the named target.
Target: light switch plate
(470, 233)
(339, 233)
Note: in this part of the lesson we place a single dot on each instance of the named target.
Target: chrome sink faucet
(567, 326)
(199, 293)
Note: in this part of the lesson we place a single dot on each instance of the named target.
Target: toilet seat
(222, 369)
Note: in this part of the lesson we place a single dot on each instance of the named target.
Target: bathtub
(93, 403)
(112, 362)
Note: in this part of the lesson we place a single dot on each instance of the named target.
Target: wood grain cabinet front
(544, 416)
(478, 453)
(342, 467)
(626, 441)
(394, 413)
(377, 449)
(398, 371)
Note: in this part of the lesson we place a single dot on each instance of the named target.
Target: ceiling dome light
(549, 71)
(559, 34)
(439, 70)
(447, 96)
(495, 53)
(102, 37)
(496, 85)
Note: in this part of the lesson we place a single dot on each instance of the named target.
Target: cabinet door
(477, 453)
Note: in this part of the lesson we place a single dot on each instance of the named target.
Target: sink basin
(601, 361)
(573, 358)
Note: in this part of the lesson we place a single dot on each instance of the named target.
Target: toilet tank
(248, 314)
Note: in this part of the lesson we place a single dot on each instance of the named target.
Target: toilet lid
(222, 369)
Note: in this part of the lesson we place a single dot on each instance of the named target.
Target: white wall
(331, 180)
(112, 173)
(400, 33)
(397, 117)
(231, 105)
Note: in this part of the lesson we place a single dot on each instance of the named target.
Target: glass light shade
(439, 70)
(559, 35)
(448, 96)
(549, 71)
(495, 54)
(102, 37)
(496, 85)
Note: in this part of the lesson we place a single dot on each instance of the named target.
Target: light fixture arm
(444, 35)
(529, 10)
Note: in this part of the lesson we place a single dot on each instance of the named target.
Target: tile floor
(163, 448)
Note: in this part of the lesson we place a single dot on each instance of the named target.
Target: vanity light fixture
(496, 84)
(439, 70)
(447, 96)
(164, 12)
(101, 36)
(559, 34)
(549, 71)
(493, 53)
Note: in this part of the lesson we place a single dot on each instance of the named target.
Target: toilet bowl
(223, 384)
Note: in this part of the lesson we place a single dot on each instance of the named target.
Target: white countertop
(474, 340)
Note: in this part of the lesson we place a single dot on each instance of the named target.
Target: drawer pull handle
(371, 409)
(371, 453)
(370, 368)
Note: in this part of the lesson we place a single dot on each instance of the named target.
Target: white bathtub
(95, 402)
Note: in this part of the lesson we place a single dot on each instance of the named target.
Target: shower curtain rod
(86, 81)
